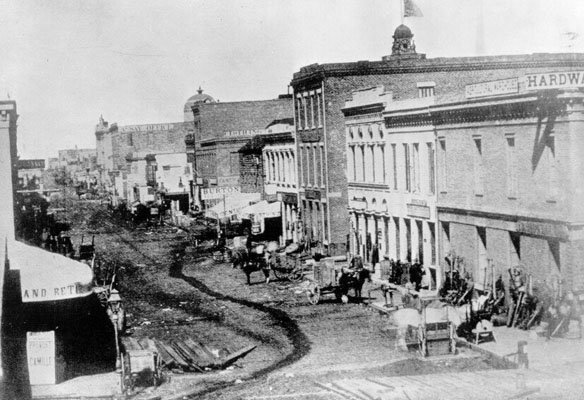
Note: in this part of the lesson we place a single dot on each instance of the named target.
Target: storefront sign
(418, 211)
(543, 229)
(288, 198)
(219, 192)
(250, 132)
(228, 180)
(554, 80)
(49, 293)
(146, 128)
(40, 352)
(492, 88)
(271, 197)
(312, 194)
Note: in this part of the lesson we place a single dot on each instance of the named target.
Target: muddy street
(174, 291)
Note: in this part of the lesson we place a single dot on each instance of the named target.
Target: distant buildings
(30, 174)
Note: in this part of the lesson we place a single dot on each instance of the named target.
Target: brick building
(128, 158)
(510, 183)
(320, 91)
(220, 130)
(268, 166)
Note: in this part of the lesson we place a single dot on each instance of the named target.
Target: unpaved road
(172, 291)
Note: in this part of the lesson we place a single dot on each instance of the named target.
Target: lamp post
(115, 311)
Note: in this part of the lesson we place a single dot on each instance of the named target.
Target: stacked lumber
(187, 355)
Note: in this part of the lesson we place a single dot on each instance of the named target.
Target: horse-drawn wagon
(332, 275)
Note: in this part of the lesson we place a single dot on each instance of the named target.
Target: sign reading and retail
(543, 229)
(146, 128)
(418, 211)
(40, 352)
(492, 88)
(312, 194)
(249, 132)
(555, 80)
(219, 192)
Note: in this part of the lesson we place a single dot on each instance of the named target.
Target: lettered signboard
(40, 352)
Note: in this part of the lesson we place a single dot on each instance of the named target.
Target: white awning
(263, 209)
(46, 276)
(231, 205)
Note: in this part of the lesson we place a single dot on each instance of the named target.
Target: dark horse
(353, 279)
(250, 261)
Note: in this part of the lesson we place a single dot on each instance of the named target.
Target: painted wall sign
(554, 80)
(249, 132)
(492, 88)
(40, 353)
(289, 198)
(146, 128)
(418, 211)
(219, 192)
(543, 229)
(228, 180)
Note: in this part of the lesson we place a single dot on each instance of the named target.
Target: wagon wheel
(313, 295)
(295, 275)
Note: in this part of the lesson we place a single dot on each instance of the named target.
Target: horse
(353, 280)
(250, 261)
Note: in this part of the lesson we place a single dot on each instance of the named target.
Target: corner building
(320, 92)
(510, 184)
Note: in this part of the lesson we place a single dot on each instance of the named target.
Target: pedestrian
(416, 274)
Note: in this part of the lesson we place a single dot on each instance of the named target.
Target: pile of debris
(187, 355)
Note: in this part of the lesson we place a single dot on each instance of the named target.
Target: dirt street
(172, 291)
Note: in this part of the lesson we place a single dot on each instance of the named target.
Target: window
(397, 238)
(351, 164)
(383, 166)
(305, 108)
(432, 230)
(416, 167)
(511, 163)
(443, 171)
(478, 166)
(308, 105)
(407, 167)
(322, 165)
(300, 112)
(394, 162)
(426, 89)
(319, 111)
(431, 171)
(317, 166)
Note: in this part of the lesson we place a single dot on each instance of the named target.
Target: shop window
(511, 163)
(443, 170)
(431, 169)
(407, 167)
(478, 166)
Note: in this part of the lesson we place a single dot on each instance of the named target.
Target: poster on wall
(40, 353)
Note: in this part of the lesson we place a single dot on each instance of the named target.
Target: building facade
(391, 180)
(30, 174)
(320, 92)
(220, 131)
(510, 184)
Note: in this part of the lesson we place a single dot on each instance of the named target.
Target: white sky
(135, 62)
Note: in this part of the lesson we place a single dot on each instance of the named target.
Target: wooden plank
(193, 357)
(166, 358)
(208, 358)
(231, 358)
(148, 344)
(176, 356)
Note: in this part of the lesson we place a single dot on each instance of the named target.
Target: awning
(263, 209)
(46, 276)
(231, 205)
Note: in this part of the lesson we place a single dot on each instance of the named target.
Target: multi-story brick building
(135, 160)
(391, 180)
(320, 91)
(268, 166)
(510, 181)
(220, 130)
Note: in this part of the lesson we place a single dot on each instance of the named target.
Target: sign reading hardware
(554, 80)
(219, 192)
(543, 229)
(492, 88)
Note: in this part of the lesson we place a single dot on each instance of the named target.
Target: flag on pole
(411, 9)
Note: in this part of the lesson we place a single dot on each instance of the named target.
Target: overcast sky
(136, 62)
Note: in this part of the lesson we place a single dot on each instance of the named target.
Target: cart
(289, 266)
(435, 338)
(140, 368)
(325, 280)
